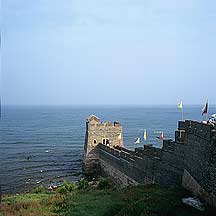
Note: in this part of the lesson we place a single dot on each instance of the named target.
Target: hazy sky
(108, 51)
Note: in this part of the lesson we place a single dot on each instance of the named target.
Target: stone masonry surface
(189, 160)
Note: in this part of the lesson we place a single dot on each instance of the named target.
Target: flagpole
(207, 110)
(180, 106)
(182, 114)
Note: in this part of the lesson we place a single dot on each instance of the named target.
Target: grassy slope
(31, 204)
(149, 201)
(131, 201)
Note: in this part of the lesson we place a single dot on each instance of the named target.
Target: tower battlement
(107, 133)
(201, 130)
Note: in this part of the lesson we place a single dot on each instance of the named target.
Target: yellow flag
(180, 105)
(145, 135)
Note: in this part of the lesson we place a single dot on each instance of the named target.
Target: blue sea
(44, 144)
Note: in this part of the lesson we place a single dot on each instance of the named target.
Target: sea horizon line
(103, 105)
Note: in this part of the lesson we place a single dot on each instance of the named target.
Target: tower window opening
(105, 141)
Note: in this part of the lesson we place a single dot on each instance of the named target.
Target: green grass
(92, 203)
(30, 204)
(95, 201)
(132, 201)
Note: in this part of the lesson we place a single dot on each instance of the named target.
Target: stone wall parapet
(194, 150)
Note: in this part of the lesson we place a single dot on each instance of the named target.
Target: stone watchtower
(99, 132)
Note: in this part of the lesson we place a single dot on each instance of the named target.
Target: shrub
(57, 202)
(72, 187)
(39, 189)
(67, 187)
(83, 184)
(104, 183)
(62, 190)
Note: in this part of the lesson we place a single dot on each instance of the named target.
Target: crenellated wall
(99, 132)
(190, 160)
(200, 159)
